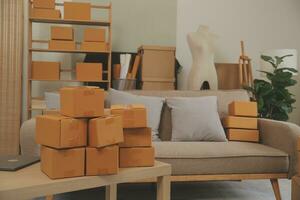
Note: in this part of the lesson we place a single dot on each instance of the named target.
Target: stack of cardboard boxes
(241, 124)
(44, 9)
(62, 38)
(94, 40)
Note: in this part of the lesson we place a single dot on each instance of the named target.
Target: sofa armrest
(284, 136)
(27, 139)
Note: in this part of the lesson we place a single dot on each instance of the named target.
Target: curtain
(11, 55)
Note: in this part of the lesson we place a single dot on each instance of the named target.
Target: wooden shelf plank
(64, 51)
(68, 21)
(102, 81)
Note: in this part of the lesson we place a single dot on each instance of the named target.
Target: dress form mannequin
(203, 73)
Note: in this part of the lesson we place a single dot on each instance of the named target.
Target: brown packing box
(60, 132)
(243, 108)
(94, 35)
(48, 4)
(89, 71)
(136, 157)
(295, 188)
(82, 101)
(102, 161)
(42, 70)
(94, 46)
(137, 137)
(134, 116)
(45, 13)
(62, 45)
(105, 131)
(62, 33)
(77, 11)
(242, 135)
(240, 122)
(63, 163)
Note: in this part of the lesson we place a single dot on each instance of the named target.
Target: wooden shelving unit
(31, 49)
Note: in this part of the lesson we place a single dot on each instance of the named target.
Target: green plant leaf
(286, 69)
(269, 59)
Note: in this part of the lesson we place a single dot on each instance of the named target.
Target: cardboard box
(133, 116)
(42, 70)
(48, 4)
(242, 135)
(136, 157)
(242, 108)
(77, 11)
(62, 45)
(158, 85)
(51, 112)
(89, 71)
(60, 132)
(94, 46)
(102, 161)
(94, 35)
(105, 131)
(295, 188)
(45, 13)
(240, 122)
(63, 163)
(82, 101)
(137, 137)
(62, 33)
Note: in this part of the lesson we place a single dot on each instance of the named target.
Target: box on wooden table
(242, 108)
(102, 161)
(42, 70)
(137, 137)
(105, 131)
(62, 45)
(247, 135)
(47, 4)
(89, 71)
(240, 122)
(62, 33)
(94, 35)
(295, 188)
(134, 116)
(136, 157)
(60, 131)
(64, 163)
(45, 13)
(77, 11)
(94, 46)
(82, 101)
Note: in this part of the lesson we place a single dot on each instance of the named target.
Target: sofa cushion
(189, 158)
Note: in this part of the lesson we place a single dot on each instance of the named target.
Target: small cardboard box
(48, 4)
(89, 71)
(62, 33)
(296, 188)
(242, 108)
(63, 163)
(77, 11)
(82, 101)
(94, 35)
(105, 131)
(137, 137)
(62, 45)
(134, 116)
(102, 161)
(240, 122)
(42, 70)
(136, 157)
(94, 46)
(45, 13)
(242, 135)
(60, 132)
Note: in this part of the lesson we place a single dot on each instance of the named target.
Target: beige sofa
(275, 157)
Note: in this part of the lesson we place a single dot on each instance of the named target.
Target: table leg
(111, 192)
(163, 188)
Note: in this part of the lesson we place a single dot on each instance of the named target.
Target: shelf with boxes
(96, 40)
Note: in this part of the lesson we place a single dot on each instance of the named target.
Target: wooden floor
(236, 190)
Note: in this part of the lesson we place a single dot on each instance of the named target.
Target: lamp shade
(290, 62)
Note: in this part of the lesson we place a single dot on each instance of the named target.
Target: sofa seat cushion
(189, 158)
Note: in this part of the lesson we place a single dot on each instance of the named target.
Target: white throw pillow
(196, 119)
(153, 105)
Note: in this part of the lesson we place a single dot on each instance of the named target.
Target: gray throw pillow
(196, 119)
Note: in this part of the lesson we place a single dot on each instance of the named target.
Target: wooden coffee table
(30, 182)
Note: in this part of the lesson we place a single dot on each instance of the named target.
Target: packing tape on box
(89, 92)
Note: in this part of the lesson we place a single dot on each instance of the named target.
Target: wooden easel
(245, 68)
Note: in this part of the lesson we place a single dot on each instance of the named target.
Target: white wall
(262, 24)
